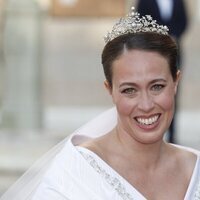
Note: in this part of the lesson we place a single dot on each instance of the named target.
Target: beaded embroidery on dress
(116, 184)
(197, 193)
(112, 181)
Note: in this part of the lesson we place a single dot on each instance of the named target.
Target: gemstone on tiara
(133, 23)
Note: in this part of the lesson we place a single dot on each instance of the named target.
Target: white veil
(25, 187)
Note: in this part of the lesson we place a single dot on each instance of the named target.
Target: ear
(178, 77)
(108, 87)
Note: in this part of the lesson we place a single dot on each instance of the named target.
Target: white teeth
(148, 121)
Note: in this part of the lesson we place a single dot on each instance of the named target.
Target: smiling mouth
(147, 121)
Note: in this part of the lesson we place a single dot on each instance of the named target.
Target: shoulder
(93, 145)
(186, 150)
(102, 146)
(186, 157)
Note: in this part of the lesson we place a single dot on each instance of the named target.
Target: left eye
(157, 87)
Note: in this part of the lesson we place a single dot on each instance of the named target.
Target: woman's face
(143, 91)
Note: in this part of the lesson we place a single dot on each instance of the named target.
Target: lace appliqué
(112, 181)
(197, 193)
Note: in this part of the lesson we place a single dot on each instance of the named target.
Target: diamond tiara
(133, 23)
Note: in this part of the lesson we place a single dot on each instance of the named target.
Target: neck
(147, 156)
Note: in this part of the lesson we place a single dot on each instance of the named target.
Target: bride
(121, 154)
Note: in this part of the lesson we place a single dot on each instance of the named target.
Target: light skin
(143, 89)
(143, 92)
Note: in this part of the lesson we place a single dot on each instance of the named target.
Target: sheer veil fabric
(25, 187)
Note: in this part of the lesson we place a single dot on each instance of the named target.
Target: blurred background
(51, 78)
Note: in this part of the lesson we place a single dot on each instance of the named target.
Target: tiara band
(133, 23)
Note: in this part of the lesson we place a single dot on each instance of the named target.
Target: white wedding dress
(73, 173)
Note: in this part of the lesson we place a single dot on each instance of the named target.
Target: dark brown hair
(162, 44)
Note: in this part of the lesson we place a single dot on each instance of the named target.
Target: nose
(145, 102)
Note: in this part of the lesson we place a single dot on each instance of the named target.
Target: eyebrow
(134, 84)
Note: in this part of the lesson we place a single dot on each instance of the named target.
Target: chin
(150, 137)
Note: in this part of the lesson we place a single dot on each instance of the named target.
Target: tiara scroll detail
(133, 23)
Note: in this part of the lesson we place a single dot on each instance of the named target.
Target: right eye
(129, 91)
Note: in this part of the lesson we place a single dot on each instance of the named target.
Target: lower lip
(148, 127)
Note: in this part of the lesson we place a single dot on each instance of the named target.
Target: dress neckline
(101, 162)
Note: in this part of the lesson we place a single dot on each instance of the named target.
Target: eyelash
(157, 87)
(128, 91)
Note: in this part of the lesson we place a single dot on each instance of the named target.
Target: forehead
(140, 64)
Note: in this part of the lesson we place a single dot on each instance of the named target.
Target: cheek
(166, 101)
(124, 106)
